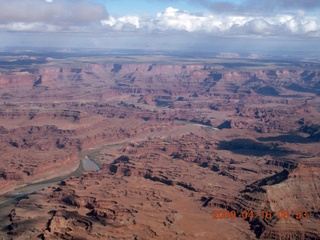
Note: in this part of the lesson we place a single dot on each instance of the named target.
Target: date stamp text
(263, 214)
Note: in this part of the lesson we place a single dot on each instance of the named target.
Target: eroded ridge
(174, 142)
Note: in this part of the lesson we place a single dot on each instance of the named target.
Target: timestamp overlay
(262, 214)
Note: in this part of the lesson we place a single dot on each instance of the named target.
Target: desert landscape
(159, 146)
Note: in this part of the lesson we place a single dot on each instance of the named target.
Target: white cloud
(58, 12)
(292, 25)
(311, 26)
(259, 27)
(172, 19)
(261, 7)
(87, 16)
(121, 22)
(26, 27)
(175, 19)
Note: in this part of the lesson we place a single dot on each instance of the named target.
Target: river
(8, 200)
(198, 124)
(89, 165)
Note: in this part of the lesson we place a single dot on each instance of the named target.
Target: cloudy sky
(204, 25)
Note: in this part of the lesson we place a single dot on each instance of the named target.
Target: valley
(174, 137)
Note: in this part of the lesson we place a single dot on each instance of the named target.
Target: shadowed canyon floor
(176, 144)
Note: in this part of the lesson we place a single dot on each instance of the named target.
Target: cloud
(278, 25)
(55, 12)
(175, 20)
(85, 16)
(121, 23)
(257, 6)
(259, 27)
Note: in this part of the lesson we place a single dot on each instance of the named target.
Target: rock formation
(175, 142)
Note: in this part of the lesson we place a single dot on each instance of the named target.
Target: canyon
(175, 141)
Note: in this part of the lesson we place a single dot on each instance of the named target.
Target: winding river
(9, 199)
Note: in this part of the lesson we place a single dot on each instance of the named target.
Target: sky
(187, 25)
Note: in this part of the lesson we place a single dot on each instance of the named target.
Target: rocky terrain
(175, 143)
